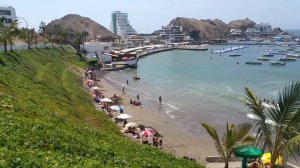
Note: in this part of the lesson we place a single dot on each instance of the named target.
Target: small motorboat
(286, 59)
(263, 59)
(268, 55)
(292, 55)
(234, 55)
(253, 63)
(277, 63)
(137, 78)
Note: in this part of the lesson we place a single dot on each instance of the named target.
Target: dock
(229, 49)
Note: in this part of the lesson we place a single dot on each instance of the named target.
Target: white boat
(277, 63)
(292, 55)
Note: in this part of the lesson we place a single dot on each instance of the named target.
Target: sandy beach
(175, 140)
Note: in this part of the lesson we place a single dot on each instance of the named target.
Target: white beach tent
(106, 100)
(116, 108)
(124, 116)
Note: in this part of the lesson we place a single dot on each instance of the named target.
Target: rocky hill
(80, 24)
(210, 29)
(241, 24)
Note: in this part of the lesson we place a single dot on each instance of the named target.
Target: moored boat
(286, 59)
(268, 55)
(253, 63)
(277, 63)
(234, 55)
(263, 59)
(292, 55)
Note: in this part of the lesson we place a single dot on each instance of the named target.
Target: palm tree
(7, 33)
(278, 126)
(233, 137)
(28, 35)
(84, 35)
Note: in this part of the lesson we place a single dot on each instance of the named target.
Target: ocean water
(294, 31)
(198, 86)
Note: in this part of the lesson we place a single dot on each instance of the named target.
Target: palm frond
(213, 133)
(264, 130)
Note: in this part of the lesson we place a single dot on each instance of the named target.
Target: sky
(149, 15)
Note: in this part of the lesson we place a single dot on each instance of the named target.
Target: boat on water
(263, 59)
(268, 55)
(277, 63)
(253, 63)
(234, 55)
(286, 59)
(292, 55)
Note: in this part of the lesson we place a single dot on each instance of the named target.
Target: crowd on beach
(114, 109)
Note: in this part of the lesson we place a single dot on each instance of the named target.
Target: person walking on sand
(138, 97)
(123, 90)
(127, 82)
(159, 98)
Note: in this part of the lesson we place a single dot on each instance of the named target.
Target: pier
(229, 49)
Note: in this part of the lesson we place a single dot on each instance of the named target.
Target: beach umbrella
(266, 158)
(89, 72)
(124, 116)
(106, 100)
(116, 108)
(247, 152)
(148, 132)
(95, 88)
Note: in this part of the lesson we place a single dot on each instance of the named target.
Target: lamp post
(24, 20)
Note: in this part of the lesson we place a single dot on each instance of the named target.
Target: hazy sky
(149, 15)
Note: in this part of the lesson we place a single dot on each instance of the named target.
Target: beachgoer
(125, 122)
(160, 143)
(127, 82)
(123, 90)
(121, 110)
(131, 102)
(115, 96)
(138, 97)
(159, 99)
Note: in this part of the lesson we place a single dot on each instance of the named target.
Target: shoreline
(175, 140)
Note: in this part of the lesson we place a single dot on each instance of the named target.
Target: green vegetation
(47, 118)
(278, 127)
(235, 136)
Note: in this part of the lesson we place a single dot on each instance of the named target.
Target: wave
(275, 82)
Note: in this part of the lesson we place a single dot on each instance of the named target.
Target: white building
(96, 47)
(172, 33)
(236, 32)
(120, 24)
(253, 31)
(264, 28)
(8, 13)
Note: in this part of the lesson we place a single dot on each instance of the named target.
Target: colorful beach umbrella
(266, 158)
(148, 132)
(247, 152)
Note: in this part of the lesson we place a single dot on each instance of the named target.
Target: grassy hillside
(47, 119)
